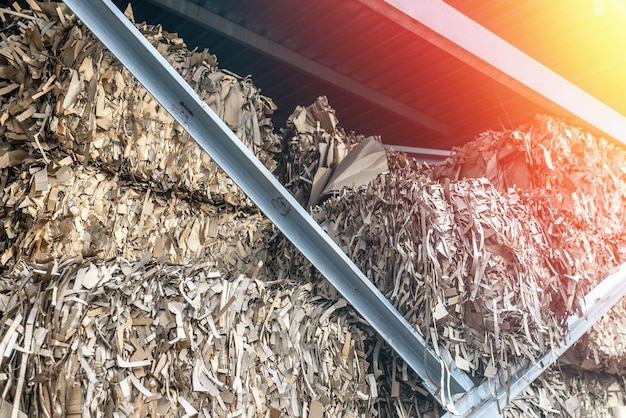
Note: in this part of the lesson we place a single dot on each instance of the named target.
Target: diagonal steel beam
(195, 116)
(445, 27)
(480, 402)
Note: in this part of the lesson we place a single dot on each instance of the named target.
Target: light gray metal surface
(424, 155)
(479, 402)
(457, 34)
(175, 95)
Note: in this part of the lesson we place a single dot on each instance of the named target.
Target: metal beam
(210, 20)
(480, 402)
(176, 96)
(426, 155)
(460, 36)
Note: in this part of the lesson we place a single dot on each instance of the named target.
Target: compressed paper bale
(148, 339)
(86, 212)
(581, 179)
(113, 157)
(90, 106)
(458, 258)
(575, 184)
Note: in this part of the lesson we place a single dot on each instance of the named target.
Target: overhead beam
(452, 31)
(152, 70)
(426, 155)
(480, 402)
(242, 35)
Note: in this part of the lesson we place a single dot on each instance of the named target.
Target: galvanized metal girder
(427, 155)
(177, 97)
(452, 31)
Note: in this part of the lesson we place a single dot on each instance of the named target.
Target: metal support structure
(175, 95)
(426, 155)
(204, 17)
(480, 402)
(195, 116)
(452, 31)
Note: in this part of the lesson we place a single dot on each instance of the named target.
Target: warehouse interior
(383, 79)
(174, 246)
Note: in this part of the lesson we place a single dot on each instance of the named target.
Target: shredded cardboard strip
(138, 280)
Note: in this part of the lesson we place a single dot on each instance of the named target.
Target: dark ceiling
(407, 90)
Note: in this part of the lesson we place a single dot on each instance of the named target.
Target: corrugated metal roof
(355, 41)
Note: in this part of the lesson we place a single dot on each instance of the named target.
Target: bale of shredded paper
(460, 261)
(92, 165)
(575, 184)
(87, 105)
(148, 339)
(574, 181)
